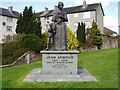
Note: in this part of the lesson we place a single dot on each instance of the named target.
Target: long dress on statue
(60, 36)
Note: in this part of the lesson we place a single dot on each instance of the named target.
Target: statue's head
(60, 5)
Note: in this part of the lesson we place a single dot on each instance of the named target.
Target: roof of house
(108, 31)
(74, 9)
(6, 12)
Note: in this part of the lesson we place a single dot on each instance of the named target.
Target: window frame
(9, 19)
(46, 18)
(75, 23)
(86, 15)
(75, 15)
(9, 28)
(88, 25)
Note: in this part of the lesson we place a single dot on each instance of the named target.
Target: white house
(8, 22)
(83, 13)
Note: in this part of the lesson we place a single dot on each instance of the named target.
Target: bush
(88, 42)
(11, 51)
(7, 38)
(72, 41)
(33, 42)
(44, 41)
(94, 35)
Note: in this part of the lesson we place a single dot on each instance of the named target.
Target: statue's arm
(64, 17)
(54, 18)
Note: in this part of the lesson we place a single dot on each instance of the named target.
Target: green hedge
(11, 52)
(33, 42)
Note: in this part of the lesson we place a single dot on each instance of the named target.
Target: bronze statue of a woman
(60, 35)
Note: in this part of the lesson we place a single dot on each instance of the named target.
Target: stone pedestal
(59, 66)
(59, 62)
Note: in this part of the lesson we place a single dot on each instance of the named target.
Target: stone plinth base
(59, 62)
(36, 76)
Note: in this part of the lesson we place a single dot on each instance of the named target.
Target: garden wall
(87, 48)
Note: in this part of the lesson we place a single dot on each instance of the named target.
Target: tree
(72, 42)
(38, 31)
(28, 24)
(19, 24)
(81, 32)
(24, 19)
(94, 35)
(78, 32)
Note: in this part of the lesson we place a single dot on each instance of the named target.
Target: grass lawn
(102, 64)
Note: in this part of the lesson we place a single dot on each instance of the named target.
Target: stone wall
(88, 48)
(109, 42)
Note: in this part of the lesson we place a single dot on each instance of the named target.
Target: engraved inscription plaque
(63, 62)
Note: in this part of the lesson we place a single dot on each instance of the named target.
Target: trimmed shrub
(33, 42)
(72, 41)
(81, 33)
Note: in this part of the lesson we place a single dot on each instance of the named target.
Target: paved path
(36, 75)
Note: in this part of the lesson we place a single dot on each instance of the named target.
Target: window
(75, 14)
(87, 24)
(75, 33)
(9, 19)
(46, 18)
(86, 15)
(9, 28)
(67, 24)
(68, 16)
(75, 23)
(46, 26)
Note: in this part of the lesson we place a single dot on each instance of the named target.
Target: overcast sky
(110, 8)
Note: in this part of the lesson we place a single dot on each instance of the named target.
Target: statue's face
(60, 5)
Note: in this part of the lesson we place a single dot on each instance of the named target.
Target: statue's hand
(60, 16)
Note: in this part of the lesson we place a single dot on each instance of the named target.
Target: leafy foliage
(44, 41)
(28, 24)
(72, 41)
(87, 42)
(7, 38)
(19, 24)
(33, 42)
(94, 35)
(81, 32)
(11, 51)
(38, 30)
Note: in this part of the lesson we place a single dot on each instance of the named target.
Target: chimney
(55, 8)
(84, 4)
(46, 9)
(10, 8)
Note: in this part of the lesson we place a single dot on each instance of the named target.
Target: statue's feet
(47, 48)
(54, 49)
(66, 49)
